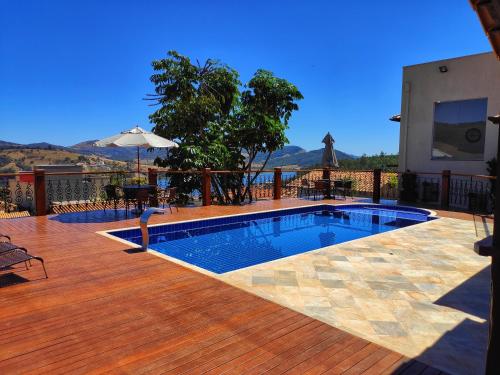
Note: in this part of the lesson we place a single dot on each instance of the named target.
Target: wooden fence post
(445, 188)
(206, 188)
(277, 183)
(153, 181)
(377, 178)
(40, 199)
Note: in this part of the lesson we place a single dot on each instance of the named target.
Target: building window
(459, 129)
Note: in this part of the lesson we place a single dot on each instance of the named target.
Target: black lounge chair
(8, 246)
(16, 256)
(11, 254)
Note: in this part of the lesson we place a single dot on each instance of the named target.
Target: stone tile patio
(420, 290)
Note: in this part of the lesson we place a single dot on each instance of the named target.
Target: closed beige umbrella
(329, 156)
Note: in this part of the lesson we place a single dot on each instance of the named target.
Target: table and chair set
(140, 196)
(328, 189)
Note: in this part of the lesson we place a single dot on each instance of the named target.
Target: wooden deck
(106, 309)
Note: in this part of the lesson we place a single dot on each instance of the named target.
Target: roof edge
(451, 59)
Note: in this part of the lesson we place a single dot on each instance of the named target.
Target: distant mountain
(284, 152)
(34, 146)
(4, 145)
(292, 156)
(25, 159)
(45, 146)
(84, 144)
(295, 156)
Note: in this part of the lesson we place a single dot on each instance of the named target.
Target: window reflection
(459, 129)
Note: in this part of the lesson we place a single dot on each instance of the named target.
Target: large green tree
(218, 123)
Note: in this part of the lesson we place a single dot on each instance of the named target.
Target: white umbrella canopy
(136, 137)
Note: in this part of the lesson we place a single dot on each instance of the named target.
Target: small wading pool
(232, 242)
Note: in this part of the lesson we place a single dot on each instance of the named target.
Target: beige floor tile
(385, 288)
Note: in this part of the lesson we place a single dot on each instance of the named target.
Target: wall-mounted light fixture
(443, 68)
(495, 119)
(395, 118)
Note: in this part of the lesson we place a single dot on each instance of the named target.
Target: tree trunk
(250, 182)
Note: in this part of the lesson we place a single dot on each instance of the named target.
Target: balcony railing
(41, 193)
(17, 192)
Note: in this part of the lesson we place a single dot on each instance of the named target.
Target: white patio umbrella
(136, 137)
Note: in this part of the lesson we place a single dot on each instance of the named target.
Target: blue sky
(78, 70)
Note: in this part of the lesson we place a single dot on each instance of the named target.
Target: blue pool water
(229, 243)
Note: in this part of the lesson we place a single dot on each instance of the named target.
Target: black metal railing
(429, 188)
(472, 193)
(16, 193)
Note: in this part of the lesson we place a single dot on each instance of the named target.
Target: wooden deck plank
(259, 322)
(216, 355)
(367, 362)
(383, 364)
(104, 309)
(308, 364)
(337, 357)
(299, 354)
(148, 329)
(267, 351)
(353, 359)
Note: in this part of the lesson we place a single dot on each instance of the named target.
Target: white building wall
(469, 77)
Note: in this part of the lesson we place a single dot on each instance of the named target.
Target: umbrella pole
(138, 168)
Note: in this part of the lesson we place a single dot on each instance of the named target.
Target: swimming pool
(229, 243)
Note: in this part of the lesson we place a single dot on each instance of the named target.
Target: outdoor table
(327, 183)
(139, 192)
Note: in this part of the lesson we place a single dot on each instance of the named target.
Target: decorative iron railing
(87, 190)
(471, 193)
(17, 192)
(456, 191)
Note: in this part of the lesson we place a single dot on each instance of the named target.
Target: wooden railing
(41, 192)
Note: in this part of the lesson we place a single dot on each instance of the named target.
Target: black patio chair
(342, 188)
(172, 199)
(129, 197)
(167, 197)
(305, 188)
(113, 195)
(321, 188)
